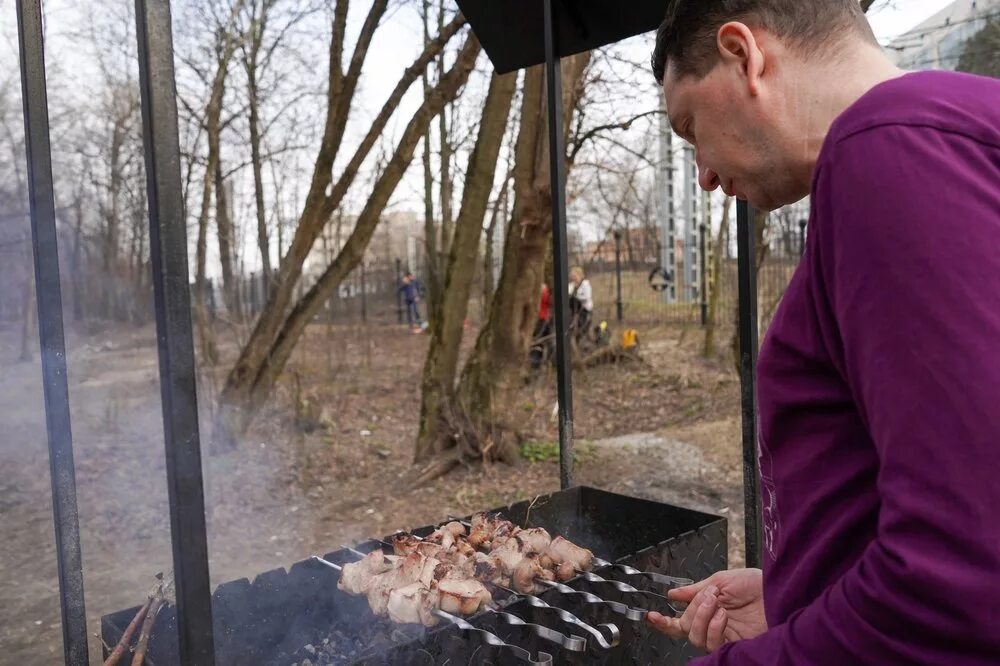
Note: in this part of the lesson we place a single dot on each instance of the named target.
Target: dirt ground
(667, 431)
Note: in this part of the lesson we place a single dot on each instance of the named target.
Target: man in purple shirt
(879, 378)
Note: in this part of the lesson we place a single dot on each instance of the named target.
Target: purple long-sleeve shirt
(879, 393)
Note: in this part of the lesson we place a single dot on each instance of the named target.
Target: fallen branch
(147, 629)
(608, 355)
(126, 638)
(438, 468)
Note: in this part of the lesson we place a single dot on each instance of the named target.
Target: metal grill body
(272, 619)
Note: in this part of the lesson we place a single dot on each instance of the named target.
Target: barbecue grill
(283, 617)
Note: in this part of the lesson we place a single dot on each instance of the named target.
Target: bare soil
(668, 431)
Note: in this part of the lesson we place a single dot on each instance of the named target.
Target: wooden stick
(126, 638)
(147, 628)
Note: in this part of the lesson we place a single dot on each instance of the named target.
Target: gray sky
(395, 45)
(901, 15)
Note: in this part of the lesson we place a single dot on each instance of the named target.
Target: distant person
(543, 327)
(410, 288)
(581, 300)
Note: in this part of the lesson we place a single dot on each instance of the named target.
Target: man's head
(748, 82)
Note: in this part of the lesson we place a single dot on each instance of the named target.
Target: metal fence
(646, 294)
(369, 293)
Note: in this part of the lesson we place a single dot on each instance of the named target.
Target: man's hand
(726, 606)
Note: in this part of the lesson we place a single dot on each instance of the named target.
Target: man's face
(737, 129)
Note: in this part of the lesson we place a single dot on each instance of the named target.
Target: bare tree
(281, 322)
(502, 345)
(432, 276)
(438, 385)
(715, 279)
(265, 36)
(225, 42)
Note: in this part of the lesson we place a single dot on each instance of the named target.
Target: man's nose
(708, 179)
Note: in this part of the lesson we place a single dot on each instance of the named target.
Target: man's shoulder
(949, 102)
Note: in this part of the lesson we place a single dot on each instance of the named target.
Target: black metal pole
(802, 237)
(618, 274)
(703, 280)
(44, 244)
(557, 174)
(746, 267)
(399, 294)
(172, 300)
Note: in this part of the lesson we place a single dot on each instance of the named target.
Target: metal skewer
(571, 643)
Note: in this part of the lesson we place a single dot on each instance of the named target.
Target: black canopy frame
(515, 34)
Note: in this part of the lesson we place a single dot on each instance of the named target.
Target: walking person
(410, 288)
(581, 301)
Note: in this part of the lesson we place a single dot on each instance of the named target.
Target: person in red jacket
(541, 338)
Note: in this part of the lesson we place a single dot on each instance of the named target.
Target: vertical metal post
(703, 280)
(44, 243)
(618, 274)
(802, 237)
(399, 294)
(557, 173)
(746, 267)
(172, 300)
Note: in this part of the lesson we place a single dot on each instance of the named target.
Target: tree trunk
(501, 348)
(445, 159)
(76, 277)
(446, 153)
(109, 250)
(432, 261)
(224, 231)
(245, 391)
(488, 253)
(213, 129)
(237, 393)
(205, 343)
(715, 284)
(255, 159)
(442, 357)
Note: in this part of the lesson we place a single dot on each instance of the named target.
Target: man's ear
(739, 48)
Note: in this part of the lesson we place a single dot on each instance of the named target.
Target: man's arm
(907, 257)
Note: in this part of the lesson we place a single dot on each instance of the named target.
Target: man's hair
(687, 36)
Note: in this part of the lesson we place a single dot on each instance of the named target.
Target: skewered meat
(356, 575)
(446, 571)
(413, 568)
(527, 574)
(564, 572)
(535, 539)
(489, 570)
(404, 544)
(508, 555)
(462, 596)
(413, 604)
(486, 529)
(563, 551)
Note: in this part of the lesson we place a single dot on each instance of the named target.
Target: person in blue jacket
(410, 288)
